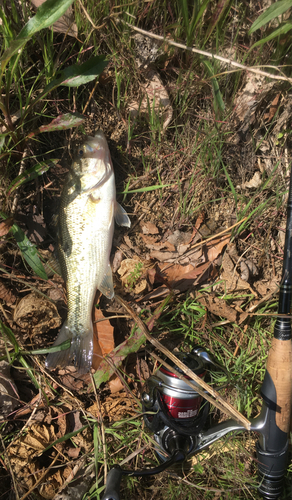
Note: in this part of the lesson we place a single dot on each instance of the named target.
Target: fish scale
(86, 225)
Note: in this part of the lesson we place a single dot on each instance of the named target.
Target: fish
(88, 209)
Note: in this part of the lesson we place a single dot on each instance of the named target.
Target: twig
(21, 170)
(201, 243)
(208, 54)
(218, 401)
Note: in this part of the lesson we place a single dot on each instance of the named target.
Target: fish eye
(80, 153)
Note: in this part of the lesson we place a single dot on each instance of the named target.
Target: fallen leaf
(232, 280)
(6, 225)
(216, 246)
(149, 228)
(36, 314)
(131, 272)
(6, 294)
(254, 182)
(9, 397)
(103, 337)
(118, 257)
(273, 108)
(180, 278)
(115, 385)
(164, 256)
(152, 243)
(155, 99)
(220, 308)
(180, 238)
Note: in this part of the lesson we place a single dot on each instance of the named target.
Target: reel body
(175, 413)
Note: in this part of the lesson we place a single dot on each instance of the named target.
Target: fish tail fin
(79, 354)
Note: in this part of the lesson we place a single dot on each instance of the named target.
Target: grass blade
(275, 10)
(284, 28)
(30, 174)
(29, 251)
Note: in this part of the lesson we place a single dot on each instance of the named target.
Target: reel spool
(174, 412)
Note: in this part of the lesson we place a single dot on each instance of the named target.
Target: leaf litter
(152, 266)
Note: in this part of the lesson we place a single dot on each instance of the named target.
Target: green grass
(193, 166)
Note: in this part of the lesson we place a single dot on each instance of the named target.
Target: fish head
(92, 155)
(93, 162)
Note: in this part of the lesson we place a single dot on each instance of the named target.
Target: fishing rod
(178, 416)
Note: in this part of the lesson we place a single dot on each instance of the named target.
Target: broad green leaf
(63, 122)
(279, 31)
(75, 75)
(46, 15)
(30, 174)
(79, 74)
(28, 250)
(275, 10)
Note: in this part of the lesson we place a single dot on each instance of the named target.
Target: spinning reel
(175, 413)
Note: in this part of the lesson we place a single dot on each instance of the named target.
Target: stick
(218, 401)
(209, 54)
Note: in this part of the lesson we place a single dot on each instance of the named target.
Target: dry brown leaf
(220, 308)
(36, 314)
(6, 294)
(152, 243)
(115, 385)
(154, 95)
(178, 277)
(131, 271)
(103, 338)
(175, 272)
(273, 108)
(6, 225)
(149, 228)
(231, 277)
(216, 246)
(118, 257)
(196, 235)
(164, 256)
(9, 398)
(254, 182)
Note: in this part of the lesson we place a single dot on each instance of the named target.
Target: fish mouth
(95, 147)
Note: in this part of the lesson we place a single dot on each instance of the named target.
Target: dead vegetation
(201, 153)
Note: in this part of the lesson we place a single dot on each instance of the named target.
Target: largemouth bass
(88, 209)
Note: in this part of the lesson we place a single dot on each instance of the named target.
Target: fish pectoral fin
(121, 217)
(107, 287)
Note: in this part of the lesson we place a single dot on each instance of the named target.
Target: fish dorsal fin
(121, 217)
(106, 287)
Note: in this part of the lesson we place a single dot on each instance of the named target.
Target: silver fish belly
(86, 225)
